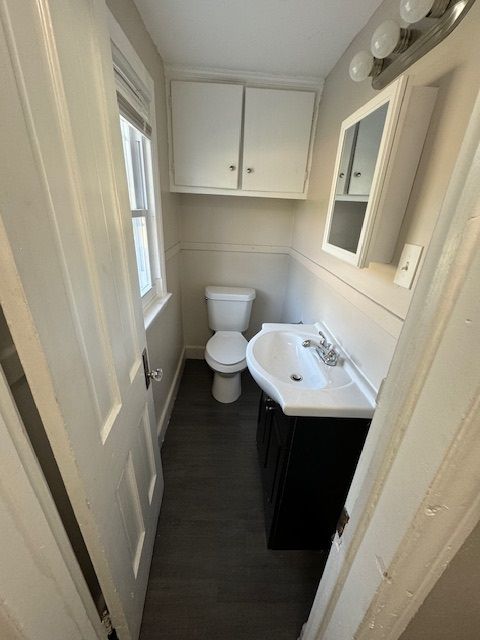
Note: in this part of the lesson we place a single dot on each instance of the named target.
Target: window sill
(154, 308)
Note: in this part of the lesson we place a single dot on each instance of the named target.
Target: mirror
(377, 157)
(358, 160)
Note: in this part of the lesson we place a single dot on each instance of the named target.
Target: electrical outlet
(407, 267)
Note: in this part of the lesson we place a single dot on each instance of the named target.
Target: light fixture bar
(424, 43)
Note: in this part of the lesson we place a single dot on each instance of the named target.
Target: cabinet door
(206, 127)
(369, 137)
(279, 437)
(273, 462)
(344, 169)
(277, 131)
(263, 427)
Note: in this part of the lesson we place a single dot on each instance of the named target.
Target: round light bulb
(415, 10)
(361, 66)
(385, 39)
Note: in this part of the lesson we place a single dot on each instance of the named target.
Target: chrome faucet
(325, 350)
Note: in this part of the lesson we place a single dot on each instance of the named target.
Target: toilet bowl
(228, 313)
(225, 354)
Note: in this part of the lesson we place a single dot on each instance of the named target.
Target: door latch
(155, 374)
(150, 374)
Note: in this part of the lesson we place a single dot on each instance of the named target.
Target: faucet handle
(331, 357)
(323, 339)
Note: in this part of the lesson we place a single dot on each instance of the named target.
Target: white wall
(245, 241)
(363, 307)
(374, 305)
(228, 240)
(365, 332)
(451, 609)
(165, 334)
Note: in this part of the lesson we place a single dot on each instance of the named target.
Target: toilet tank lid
(229, 293)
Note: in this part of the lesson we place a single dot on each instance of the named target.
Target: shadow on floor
(212, 577)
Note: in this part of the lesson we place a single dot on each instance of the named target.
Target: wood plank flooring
(212, 577)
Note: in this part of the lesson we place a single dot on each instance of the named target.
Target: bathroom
(273, 245)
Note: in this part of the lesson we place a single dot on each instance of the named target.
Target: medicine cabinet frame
(406, 125)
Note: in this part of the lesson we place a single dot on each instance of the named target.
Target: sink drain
(296, 377)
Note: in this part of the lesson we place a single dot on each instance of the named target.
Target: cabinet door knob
(357, 174)
(342, 175)
(249, 170)
(232, 167)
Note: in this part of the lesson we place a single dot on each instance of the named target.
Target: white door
(206, 127)
(42, 591)
(277, 131)
(69, 287)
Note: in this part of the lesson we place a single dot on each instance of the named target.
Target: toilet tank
(229, 307)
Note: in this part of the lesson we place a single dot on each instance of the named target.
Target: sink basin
(297, 378)
(281, 354)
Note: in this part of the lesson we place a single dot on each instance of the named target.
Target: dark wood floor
(212, 577)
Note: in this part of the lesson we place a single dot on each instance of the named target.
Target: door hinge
(108, 626)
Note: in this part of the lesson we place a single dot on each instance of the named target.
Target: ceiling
(286, 37)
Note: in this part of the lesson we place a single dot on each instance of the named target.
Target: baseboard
(162, 423)
(193, 352)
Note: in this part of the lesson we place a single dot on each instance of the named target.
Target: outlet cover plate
(407, 267)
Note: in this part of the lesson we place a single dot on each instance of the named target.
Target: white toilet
(228, 315)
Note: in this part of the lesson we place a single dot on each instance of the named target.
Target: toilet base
(227, 387)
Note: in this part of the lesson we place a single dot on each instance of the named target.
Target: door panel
(206, 126)
(70, 290)
(367, 144)
(277, 131)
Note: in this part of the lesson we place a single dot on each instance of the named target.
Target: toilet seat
(226, 350)
(227, 347)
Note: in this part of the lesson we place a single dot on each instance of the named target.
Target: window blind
(131, 104)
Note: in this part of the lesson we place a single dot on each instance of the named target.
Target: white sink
(297, 378)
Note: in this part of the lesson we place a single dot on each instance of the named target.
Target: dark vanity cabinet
(307, 465)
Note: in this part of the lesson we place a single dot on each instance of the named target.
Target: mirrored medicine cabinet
(377, 157)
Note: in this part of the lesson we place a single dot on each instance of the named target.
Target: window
(135, 98)
(136, 151)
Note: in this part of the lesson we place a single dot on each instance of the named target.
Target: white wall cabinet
(230, 139)
(206, 127)
(276, 139)
(378, 153)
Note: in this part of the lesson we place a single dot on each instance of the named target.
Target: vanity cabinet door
(263, 428)
(277, 129)
(307, 465)
(206, 129)
(367, 145)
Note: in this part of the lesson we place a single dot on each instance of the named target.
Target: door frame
(415, 496)
(57, 603)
